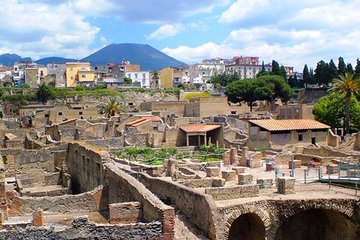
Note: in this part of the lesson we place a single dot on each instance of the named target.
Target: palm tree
(111, 108)
(346, 84)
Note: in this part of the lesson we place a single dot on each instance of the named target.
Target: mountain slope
(148, 57)
(9, 59)
(56, 60)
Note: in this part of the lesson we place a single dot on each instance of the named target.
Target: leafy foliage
(111, 108)
(44, 93)
(346, 85)
(330, 110)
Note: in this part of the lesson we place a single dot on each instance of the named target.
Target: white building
(143, 77)
(246, 70)
(201, 73)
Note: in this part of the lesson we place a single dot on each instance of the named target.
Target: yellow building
(169, 76)
(78, 72)
(42, 72)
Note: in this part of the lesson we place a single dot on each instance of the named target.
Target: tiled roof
(199, 128)
(289, 124)
(142, 120)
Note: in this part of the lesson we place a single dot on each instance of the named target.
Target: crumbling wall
(198, 207)
(85, 164)
(84, 202)
(125, 188)
(82, 229)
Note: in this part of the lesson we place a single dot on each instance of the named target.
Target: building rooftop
(199, 128)
(289, 124)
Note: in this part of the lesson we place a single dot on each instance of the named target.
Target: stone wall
(112, 143)
(234, 192)
(84, 202)
(35, 164)
(82, 229)
(85, 164)
(90, 167)
(125, 188)
(198, 207)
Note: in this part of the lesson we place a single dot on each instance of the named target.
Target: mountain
(56, 60)
(9, 59)
(148, 57)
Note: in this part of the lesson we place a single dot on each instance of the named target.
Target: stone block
(269, 167)
(244, 156)
(228, 175)
(212, 172)
(171, 167)
(264, 183)
(125, 213)
(245, 178)
(218, 182)
(332, 168)
(226, 159)
(285, 185)
(239, 170)
(296, 163)
(38, 218)
(233, 192)
(234, 159)
(197, 183)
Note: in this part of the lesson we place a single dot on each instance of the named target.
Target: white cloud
(291, 48)
(165, 31)
(39, 29)
(242, 9)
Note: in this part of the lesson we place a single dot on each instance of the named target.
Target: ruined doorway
(317, 224)
(247, 227)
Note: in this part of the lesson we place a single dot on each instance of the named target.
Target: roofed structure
(273, 125)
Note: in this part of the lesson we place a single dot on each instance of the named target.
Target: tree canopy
(267, 87)
(330, 110)
(44, 93)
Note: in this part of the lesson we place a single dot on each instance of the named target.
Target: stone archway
(313, 224)
(248, 226)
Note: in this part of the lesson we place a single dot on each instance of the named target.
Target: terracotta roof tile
(289, 124)
(200, 128)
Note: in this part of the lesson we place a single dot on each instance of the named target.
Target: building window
(300, 137)
(80, 113)
(60, 113)
(83, 76)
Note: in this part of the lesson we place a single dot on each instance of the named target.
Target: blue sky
(291, 32)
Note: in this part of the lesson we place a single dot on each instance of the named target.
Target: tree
(357, 69)
(44, 93)
(267, 87)
(224, 79)
(333, 70)
(111, 108)
(322, 73)
(306, 75)
(282, 72)
(330, 110)
(280, 88)
(349, 68)
(341, 67)
(346, 85)
(275, 67)
(127, 80)
(249, 91)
